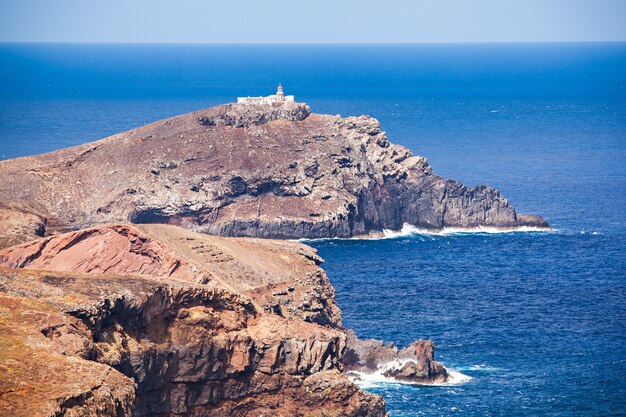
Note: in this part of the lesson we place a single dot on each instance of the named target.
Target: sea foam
(378, 379)
(409, 230)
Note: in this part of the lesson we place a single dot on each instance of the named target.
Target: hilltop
(274, 171)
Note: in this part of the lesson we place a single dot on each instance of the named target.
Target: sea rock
(421, 365)
(119, 320)
(248, 170)
(415, 363)
(368, 355)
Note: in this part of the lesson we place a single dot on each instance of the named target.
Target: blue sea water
(538, 320)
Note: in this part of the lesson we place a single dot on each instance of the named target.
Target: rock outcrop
(280, 276)
(21, 222)
(418, 364)
(154, 320)
(245, 170)
(413, 364)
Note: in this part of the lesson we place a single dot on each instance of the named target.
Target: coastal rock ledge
(156, 320)
(248, 170)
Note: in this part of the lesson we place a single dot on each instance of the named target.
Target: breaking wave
(479, 368)
(410, 230)
(590, 232)
(378, 379)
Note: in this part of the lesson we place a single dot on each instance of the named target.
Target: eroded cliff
(110, 319)
(119, 321)
(245, 170)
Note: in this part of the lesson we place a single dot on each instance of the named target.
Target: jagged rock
(415, 363)
(119, 320)
(246, 115)
(421, 365)
(264, 171)
(369, 354)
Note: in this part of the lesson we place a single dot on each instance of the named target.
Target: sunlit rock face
(252, 170)
(119, 320)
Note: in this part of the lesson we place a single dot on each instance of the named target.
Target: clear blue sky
(318, 21)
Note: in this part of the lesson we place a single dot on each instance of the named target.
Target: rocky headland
(250, 170)
(124, 293)
(150, 320)
(156, 320)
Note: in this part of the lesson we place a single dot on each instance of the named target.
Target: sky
(312, 21)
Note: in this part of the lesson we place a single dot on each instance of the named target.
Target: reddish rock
(113, 249)
(108, 327)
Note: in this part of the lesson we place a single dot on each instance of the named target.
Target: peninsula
(133, 281)
(248, 169)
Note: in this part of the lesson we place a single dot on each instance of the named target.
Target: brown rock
(262, 171)
(109, 327)
(20, 222)
(415, 363)
(421, 367)
(39, 377)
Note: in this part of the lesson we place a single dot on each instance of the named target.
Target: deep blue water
(537, 319)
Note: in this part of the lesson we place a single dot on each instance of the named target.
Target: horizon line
(312, 43)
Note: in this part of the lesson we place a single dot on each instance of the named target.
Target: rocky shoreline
(158, 320)
(138, 277)
(258, 171)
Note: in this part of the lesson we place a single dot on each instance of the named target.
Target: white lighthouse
(280, 96)
(275, 99)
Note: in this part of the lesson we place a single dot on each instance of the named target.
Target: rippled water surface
(538, 320)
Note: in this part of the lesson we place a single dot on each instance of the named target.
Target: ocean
(537, 320)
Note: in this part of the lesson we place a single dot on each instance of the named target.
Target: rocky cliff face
(118, 321)
(242, 170)
(152, 319)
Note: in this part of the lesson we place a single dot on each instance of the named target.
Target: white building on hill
(277, 98)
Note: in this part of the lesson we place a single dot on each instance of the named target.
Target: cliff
(99, 317)
(245, 170)
(156, 320)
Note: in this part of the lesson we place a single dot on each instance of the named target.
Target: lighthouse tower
(280, 96)
(274, 100)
